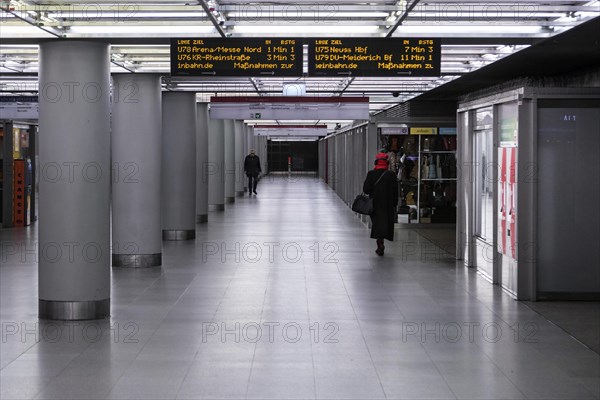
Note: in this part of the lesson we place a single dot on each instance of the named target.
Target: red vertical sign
(503, 206)
(19, 194)
(512, 181)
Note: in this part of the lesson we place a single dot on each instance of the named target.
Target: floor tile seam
(578, 380)
(22, 353)
(312, 354)
(262, 310)
(107, 391)
(474, 296)
(56, 376)
(199, 350)
(416, 230)
(390, 297)
(162, 273)
(51, 379)
(213, 319)
(470, 295)
(511, 327)
(438, 371)
(499, 368)
(347, 209)
(362, 334)
(560, 328)
(154, 333)
(543, 356)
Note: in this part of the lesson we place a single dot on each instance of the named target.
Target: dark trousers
(252, 182)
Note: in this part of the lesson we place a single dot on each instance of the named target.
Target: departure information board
(236, 57)
(374, 57)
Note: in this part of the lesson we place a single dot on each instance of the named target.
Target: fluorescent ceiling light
(292, 139)
(172, 31)
(28, 48)
(325, 30)
(23, 31)
(96, 15)
(467, 28)
(297, 16)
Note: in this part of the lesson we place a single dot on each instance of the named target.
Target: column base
(216, 207)
(201, 219)
(174, 234)
(73, 310)
(229, 200)
(239, 194)
(137, 260)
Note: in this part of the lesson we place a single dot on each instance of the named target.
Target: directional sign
(284, 107)
(290, 130)
(19, 107)
(236, 57)
(374, 57)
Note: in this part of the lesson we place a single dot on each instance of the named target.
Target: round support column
(229, 161)
(239, 158)
(136, 161)
(216, 165)
(74, 156)
(202, 163)
(179, 165)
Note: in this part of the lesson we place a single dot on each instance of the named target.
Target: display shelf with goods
(427, 175)
(437, 179)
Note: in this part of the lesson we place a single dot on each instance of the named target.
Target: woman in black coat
(382, 187)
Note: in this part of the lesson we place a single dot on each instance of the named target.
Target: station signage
(19, 107)
(288, 107)
(377, 57)
(290, 130)
(393, 129)
(19, 194)
(423, 131)
(447, 131)
(236, 57)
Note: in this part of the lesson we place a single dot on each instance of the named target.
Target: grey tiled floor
(321, 316)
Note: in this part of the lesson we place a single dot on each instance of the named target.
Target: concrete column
(261, 150)
(33, 145)
(136, 166)
(8, 168)
(239, 158)
(202, 163)
(251, 140)
(229, 161)
(216, 165)
(179, 165)
(74, 230)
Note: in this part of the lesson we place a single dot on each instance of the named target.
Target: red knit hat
(381, 161)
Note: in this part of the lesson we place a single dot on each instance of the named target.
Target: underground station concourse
(138, 260)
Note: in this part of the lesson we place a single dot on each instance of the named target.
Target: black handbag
(363, 204)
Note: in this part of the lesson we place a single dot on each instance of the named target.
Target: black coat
(252, 165)
(385, 200)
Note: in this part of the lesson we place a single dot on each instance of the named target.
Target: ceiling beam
(212, 18)
(402, 18)
(33, 22)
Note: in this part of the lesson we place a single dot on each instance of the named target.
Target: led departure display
(374, 57)
(236, 57)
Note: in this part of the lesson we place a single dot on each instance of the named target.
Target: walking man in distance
(252, 169)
